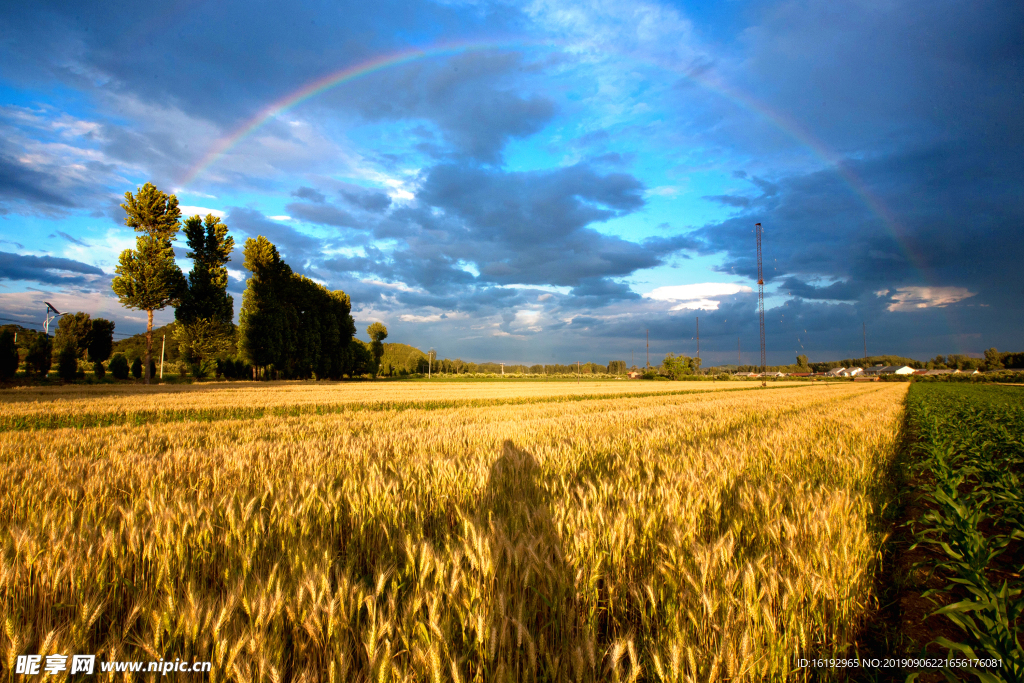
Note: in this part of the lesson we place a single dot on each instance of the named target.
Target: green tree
(147, 278)
(98, 369)
(67, 362)
(119, 366)
(206, 295)
(74, 329)
(199, 342)
(993, 359)
(101, 340)
(206, 309)
(137, 368)
(40, 355)
(678, 366)
(378, 333)
(801, 362)
(617, 367)
(290, 321)
(359, 359)
(263, 330)
(8, 355)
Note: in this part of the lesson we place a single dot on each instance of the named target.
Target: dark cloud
(471, 98)
(297, 248)
(309, 194)
(837, 291)
(368, 200)
(51, 270)
(729, 200)
(69, 238)
(323, 214)
(20, 183)
(603, 289)
(533, 227)
(947, 218)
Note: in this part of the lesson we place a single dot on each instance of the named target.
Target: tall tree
(147, 278)
(206, 309)
(993, 359)
(206, 296)
(378, 333)
(291, 322)
(74, 330)
(101, 340)
(40, 355)
(8, 355)
(263, 332)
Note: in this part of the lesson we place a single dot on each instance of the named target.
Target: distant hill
(135, 346)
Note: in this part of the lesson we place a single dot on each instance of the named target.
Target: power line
(26, 322)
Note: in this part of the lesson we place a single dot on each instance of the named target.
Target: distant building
(950, 371)
(889, 370)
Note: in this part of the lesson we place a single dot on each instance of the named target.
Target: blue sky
(551, 179)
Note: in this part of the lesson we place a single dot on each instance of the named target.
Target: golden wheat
(689, 537)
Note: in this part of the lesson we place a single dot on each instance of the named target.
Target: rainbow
(381, 63)
(783, 123)
(325, 83)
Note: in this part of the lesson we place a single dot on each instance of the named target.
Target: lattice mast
(760, 299)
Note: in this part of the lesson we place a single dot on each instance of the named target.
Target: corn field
(544, 536)
(969, 458)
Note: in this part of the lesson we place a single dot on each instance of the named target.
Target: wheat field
(698, 536)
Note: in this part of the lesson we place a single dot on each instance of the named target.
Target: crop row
(55, 412)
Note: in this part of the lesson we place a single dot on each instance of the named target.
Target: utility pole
(577, 373)
(430, 362)
(502, 369)
(864, 327)
(163, 347)
(760, 299)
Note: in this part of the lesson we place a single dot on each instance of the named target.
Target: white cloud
(663, 191)
(400, 286)
(409, 318)
(529, 319)
(913, 298)
(696, 297)
(280, 218)
(199, 211)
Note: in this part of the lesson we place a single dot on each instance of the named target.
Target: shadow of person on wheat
(534, 613)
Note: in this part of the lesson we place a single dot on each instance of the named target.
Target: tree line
(289, 326)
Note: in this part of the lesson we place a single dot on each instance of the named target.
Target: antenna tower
(760, 299)
(698, 343)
